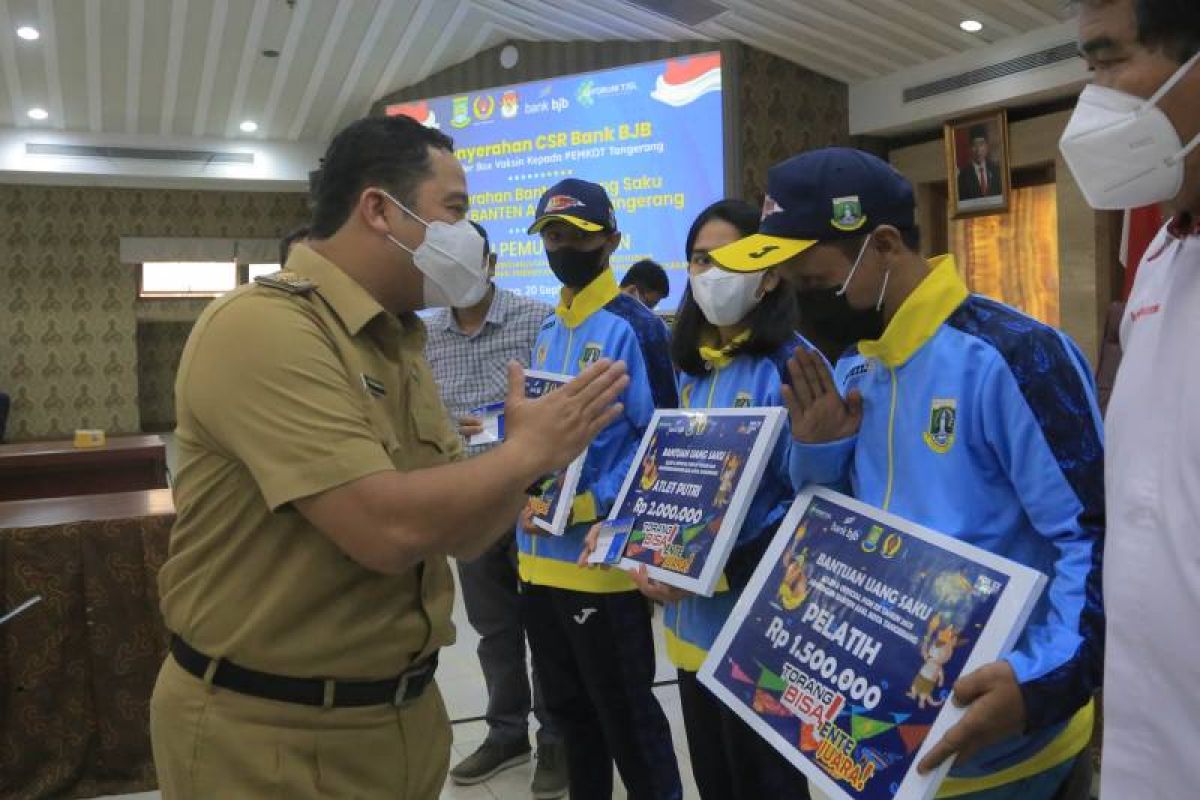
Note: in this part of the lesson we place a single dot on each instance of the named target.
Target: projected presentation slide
(651, 134)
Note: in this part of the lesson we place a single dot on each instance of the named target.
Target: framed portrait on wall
(978, 168)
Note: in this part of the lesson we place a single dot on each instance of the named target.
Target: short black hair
(1172, 26)
(978, 132)
(772, 323)
(389, 152)
(285, 244)
(482, 231)
(647, 276)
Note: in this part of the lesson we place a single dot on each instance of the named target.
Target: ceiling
(182, 68)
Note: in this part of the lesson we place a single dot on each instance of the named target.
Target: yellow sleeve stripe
(1068, 744)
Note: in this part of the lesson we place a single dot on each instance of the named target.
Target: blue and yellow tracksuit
(735, 381)
(589, 630)
(600, 323)
(982, 423)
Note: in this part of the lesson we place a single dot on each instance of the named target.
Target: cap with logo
(580, 203)
(821, 196)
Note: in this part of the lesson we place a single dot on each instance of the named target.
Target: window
(187, 278)
(261, 269)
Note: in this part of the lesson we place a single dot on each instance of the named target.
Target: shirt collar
(1184, 225)
(720, 357)
(920, 315)
(588, 300)
(352, 303)
(497, 314)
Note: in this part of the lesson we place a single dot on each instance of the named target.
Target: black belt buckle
(400, 698)
(420, 675)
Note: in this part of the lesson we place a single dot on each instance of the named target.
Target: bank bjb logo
(510, 104)
(461, 117)
(484, 106)
(591, 354)
(943, 420)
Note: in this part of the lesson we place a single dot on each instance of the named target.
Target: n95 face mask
(725, 297)
(1123, 150)
(450, 258)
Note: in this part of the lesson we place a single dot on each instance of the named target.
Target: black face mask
(575, 269)
(831, 315)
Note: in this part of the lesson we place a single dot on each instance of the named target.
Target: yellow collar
(920, 315)
(721, 357)
(590, 299)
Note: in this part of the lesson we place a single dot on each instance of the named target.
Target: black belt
(397, 691)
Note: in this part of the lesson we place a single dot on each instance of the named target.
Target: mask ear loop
(854, 269)
(1162, 92)
(883, 290)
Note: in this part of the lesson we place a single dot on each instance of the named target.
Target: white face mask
(1123, 150)
(726, 297)
(450, 258)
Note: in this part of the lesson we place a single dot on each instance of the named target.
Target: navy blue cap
(820, 196)
(580, 203)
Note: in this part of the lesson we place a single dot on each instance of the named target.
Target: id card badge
(492, 417)
(610, 547)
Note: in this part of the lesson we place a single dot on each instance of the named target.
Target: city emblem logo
(591, 354)
(943, 420)
(461, 117)
(847, 213)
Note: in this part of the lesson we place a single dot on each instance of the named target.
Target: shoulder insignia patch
(286, 281)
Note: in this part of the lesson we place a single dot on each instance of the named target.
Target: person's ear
(613, 242)
(373, 209)
(769, 283)
(887, 241)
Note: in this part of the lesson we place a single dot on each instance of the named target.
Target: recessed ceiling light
(249, 126)
(28, 33)
(38, 113)
(971, 25)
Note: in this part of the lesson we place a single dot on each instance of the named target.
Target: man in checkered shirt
(469, 349)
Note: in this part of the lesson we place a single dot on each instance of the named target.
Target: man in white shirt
(1133, 142)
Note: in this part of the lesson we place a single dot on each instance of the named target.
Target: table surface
(67, 446)
(92, 507)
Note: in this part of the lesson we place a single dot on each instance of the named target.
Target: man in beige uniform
(306, 586)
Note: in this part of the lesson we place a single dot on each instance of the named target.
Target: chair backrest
(1110, 354)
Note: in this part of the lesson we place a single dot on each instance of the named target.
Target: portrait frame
(970, 193)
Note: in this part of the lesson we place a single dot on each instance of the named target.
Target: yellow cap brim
(582, 224)
(758, 252)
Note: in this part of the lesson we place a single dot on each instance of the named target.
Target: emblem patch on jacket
(591, 354)
(943, 421)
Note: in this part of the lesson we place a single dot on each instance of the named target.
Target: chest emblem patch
(591, 354)
(943, 422)
(742, 400)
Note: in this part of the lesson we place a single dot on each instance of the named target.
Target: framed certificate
(554, 496)
(688, 490)
(843, 648)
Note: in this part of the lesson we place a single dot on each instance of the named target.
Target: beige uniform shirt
(282, 394)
